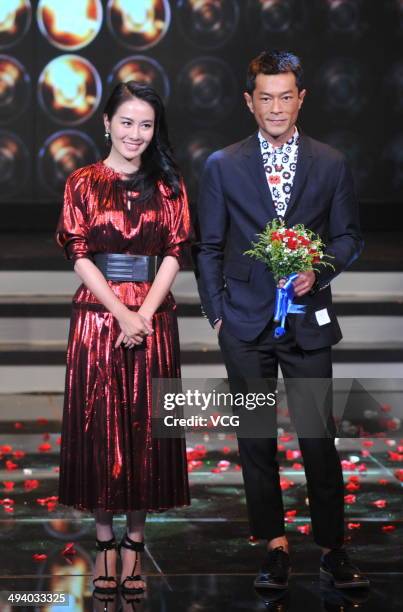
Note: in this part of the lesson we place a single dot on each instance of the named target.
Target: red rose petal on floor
(305, 529)
(59, 440)
(392, 424)
(386, 407)
(352, 486)
(380, 503)
(7, 501)
(348, 465)
(399, 475)
(367, 443)
(395, 456)
(9, 485)
(292, 454)
(352, 526)
(291, 513)
(226, 450)
(365, 453)
(286, 484)
(19, 454)
(29, 485)
(18, 425)
(355, 479)
(350, 499)
(42, 421)
(215, 470)
(286, 438)
(6, 449)
(362, 467)
(8, 509)
(281, 448)
(388, 528)
(10, 465)
(237, 467)
(39, 557)
(382, 481)
(69, 549)
(297, 466)
(45, 447)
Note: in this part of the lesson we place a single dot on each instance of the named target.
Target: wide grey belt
(122, 267)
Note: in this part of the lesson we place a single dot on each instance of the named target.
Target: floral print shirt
(280, 164)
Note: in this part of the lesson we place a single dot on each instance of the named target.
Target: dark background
(354, 77)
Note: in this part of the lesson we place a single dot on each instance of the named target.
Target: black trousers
(259, 360)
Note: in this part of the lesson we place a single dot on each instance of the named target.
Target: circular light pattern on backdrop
(69, 89)
(143, 70)
(14, 88)
(70, 24)
(208, 23)
(13, 163)
(207, 89)
(192, 154)
(360, 160)
(62, 153)
(274, 17)
(141, 24)
(15, 19)
(342, 85)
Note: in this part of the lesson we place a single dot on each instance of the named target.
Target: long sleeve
(209, 252)
(344, 240)
(72, 228)
(179, 226)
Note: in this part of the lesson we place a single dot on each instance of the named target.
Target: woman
(124, 224)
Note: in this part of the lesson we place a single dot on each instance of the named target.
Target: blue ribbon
(284, 305)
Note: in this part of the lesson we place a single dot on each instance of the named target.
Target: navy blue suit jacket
(235, 204)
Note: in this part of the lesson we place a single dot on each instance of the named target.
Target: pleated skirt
(109, 459)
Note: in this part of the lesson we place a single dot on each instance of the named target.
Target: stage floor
(197, 558)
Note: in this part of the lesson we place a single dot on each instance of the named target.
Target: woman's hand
(134, 328)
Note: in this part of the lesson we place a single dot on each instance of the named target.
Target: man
(279, 172)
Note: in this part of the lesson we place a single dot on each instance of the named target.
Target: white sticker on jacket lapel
(322, 316)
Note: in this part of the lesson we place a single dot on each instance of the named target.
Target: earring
(107, 135)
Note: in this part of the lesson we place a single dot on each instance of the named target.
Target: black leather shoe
(337, 568)
(275, 570)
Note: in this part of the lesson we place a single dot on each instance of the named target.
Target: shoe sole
(324, 575)
(268, 585)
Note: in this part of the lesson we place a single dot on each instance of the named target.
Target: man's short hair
(274, 62)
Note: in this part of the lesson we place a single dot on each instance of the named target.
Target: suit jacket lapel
(304, 163)
(254, 162)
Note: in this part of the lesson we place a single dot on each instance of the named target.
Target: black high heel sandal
(138, 547)
(104, 547)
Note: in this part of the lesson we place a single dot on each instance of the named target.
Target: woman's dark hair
(274, 62)
(157, 162)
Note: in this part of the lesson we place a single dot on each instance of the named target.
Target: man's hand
(303, 284)
(218, 325)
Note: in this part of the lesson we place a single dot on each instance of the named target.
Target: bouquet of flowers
(287, 251)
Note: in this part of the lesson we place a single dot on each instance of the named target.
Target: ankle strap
(106, 544)
(131, 544)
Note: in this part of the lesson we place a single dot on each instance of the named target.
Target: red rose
(275, 236)
(290, 233)
(292, 244)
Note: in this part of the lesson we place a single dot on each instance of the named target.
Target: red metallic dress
(109, 458)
